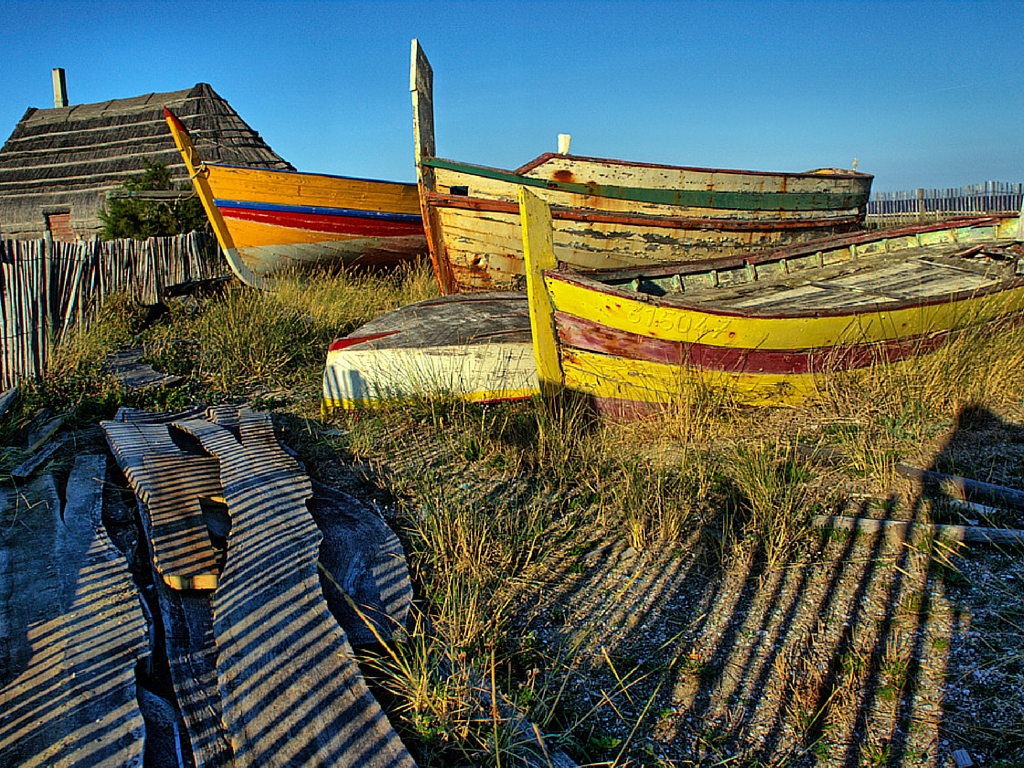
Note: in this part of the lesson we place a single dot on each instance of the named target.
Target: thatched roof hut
(59, 164)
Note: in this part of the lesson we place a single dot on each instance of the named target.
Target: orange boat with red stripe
(268, 222)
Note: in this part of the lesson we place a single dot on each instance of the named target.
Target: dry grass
(647, 593)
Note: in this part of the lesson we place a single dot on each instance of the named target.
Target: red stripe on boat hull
(336, 225)
(593, 337)
(832, 225)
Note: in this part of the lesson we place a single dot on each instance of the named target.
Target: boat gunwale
(670, 196)
(590, 281)
(673, 303)
(307, 174)
(541, 159)
(594, 215)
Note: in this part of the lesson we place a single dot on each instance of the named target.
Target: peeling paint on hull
(766, 327)
(268, 222)
(611, 213)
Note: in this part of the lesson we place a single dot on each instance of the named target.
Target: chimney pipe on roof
(60, 88)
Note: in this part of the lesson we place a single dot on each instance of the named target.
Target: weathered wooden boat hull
(766, 327)
(612, 213)
(269, 222)
(472, 347)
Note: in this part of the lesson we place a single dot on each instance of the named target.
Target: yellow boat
(767, 326)
(268, 222)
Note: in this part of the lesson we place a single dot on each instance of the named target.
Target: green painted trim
(690, 198)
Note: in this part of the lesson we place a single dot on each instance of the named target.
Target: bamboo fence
(910, 206)
(48, 287)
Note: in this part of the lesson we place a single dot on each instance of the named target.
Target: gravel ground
(859, 650)
(856, 651)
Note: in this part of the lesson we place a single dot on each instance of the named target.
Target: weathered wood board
(291, 690)
(361, 555)
(7, 398)
(142, 444)
(191, 652)
(127, 367)
(168, 483)
(68, 652)
(36, 460)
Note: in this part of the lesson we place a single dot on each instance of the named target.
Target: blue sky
(924, 94)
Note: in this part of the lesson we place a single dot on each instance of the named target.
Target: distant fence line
(887, 208)
(48, 287)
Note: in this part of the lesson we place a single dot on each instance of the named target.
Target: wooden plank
(952, 485)
(291, 690)
(361, 555)
(126, 367)
(187, 618)
(43, 432)
(139, 438)
(70, 647)
(169, 484)
(7, 398)
(962, 487)
(966, 533)
(421, 84)
(181, 546)
(33, 462)
(539, 254)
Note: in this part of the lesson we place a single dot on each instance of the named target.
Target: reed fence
(909, 206)
(48, 287)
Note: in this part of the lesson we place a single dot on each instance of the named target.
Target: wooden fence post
(47, 287)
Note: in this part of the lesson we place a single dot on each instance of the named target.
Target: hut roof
(71, 155)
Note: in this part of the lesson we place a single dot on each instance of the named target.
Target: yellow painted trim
(328, 403)
(604, 376)
(198, 173)
(763, 333)
(539, 254)
(201, 581)
(307, 189)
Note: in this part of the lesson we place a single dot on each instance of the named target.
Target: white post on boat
(563, 143)
(855, 163)
(60, 88)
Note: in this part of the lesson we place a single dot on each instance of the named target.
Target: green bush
(141, 218)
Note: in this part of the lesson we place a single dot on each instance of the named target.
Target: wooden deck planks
(142, 444)
(68, 667)
(291, 691)
(852, 287)
(168, 483)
